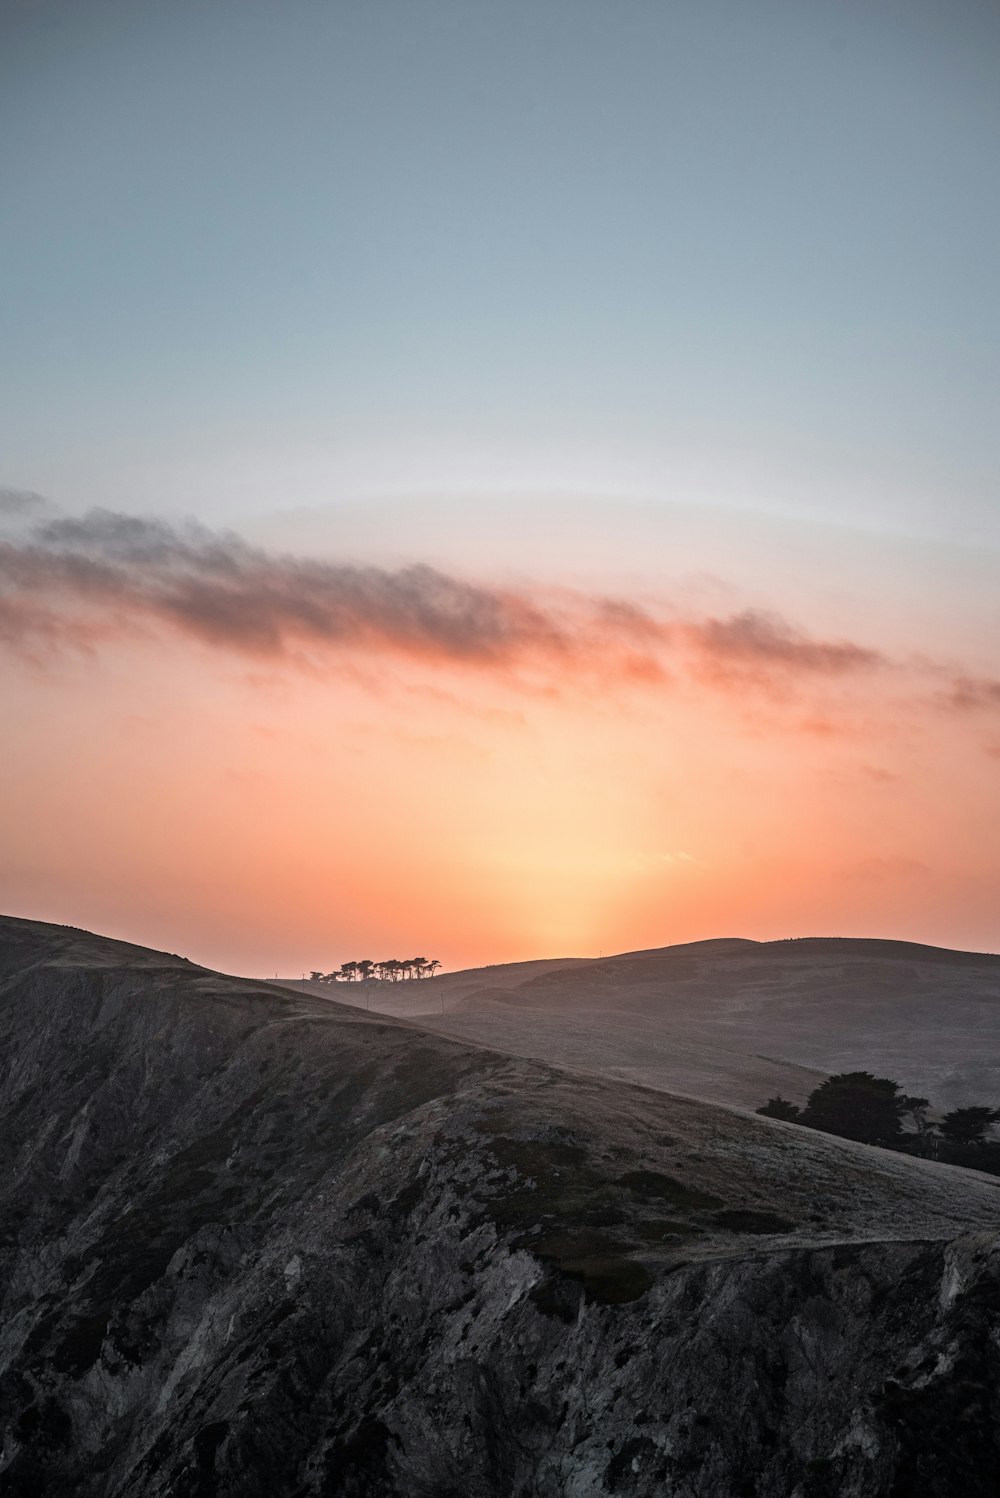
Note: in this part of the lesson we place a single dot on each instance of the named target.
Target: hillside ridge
(259, 1243)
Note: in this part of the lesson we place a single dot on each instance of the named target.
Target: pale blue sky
(265, 257)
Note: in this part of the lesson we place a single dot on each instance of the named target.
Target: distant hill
(418, 995)
(679, 1017)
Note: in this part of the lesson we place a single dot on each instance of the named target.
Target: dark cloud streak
(77, 577)
(764, 641)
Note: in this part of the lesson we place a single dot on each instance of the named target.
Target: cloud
(972, 692)
(100, 575)
(19, 502)
(218, 589)
(765, 642)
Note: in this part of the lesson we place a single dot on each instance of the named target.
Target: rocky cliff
(258, 1243)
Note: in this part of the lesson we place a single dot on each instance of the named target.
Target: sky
(499, 480)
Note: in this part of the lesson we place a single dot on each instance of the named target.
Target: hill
(260, 1243)
(441, 993)
(734, 1020)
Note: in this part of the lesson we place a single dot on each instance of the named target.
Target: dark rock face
(258, 1244)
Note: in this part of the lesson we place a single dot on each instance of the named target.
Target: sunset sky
(496, 481)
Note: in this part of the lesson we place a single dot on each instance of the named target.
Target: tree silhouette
(856, 1105)
(779, 1107)
(391, 970)
(915, 1108)
(968, 1125)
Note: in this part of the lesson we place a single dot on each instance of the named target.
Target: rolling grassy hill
(735, 1020)
(259, 1243)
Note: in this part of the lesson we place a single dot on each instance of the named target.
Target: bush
(779, 1107)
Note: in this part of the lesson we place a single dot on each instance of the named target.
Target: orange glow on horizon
(286, 821)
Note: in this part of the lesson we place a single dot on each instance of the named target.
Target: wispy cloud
(224, 592)
(17, 502)
(766, 642)
(78, 579)
(971, 692)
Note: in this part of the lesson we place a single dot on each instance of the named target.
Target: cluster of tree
(390, 971)
(873, 1110)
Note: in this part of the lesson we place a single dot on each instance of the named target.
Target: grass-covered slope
(721, 1018)
(258, 1243)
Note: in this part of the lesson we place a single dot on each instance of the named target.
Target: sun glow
(275, 819)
